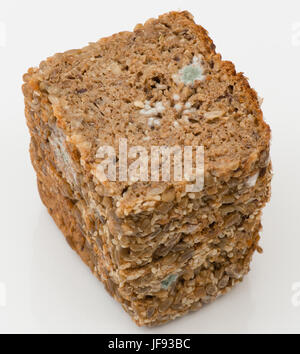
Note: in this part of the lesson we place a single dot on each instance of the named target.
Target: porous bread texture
(159, 250)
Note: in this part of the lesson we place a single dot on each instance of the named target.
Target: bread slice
(160, 249)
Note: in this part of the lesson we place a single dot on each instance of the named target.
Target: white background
(44, 286)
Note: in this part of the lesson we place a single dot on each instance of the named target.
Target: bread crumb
(213, 114)
(251, 182)
(159, 107)
(139, 104)
(260, 101)
(152, 111)
(152, 122)
(115, 69)
(178, 107)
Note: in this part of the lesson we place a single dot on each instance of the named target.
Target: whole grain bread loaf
(160, 250)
